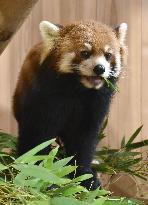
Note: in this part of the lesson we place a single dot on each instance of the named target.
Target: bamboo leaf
(137, 145)
(41, 173)
(65, 171)
(130, 163)
(7, 141)
(35, 158)
(106, 152)
(39, 202)
(101, 134)
(92, 195)
(136, 174)
(49, 161)
(82, 178)
(66, 187)
(61, 163)
(140, 176)
(111, 85)
(123, 142)
(104, 125)
(121, 201)
(73, 190)
(67, 201)
(103, 192)
(122, 155)
(104, 168)
(3, 167)
(99, 201)
(134, 136)
(34, 151)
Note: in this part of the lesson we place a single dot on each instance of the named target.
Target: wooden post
(12, 15)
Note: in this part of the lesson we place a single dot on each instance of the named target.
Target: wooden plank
(74, 10)
(144, 81)
(125, 114)
(86, 9)
(5, 91)
(50, 10)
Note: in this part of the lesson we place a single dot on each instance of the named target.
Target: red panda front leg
(82, 147)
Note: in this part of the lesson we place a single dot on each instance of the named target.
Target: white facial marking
(107, 47)
(86, 67)
(88, 46)
(102, 61)
(65, 63)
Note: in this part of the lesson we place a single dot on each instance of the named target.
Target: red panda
(61, 89)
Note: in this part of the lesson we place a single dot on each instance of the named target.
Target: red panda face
(91, 50)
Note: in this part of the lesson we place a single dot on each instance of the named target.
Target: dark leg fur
(83, 149)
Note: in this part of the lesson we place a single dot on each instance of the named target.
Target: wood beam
(12, 15)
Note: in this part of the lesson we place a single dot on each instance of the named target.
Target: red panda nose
(99, 69)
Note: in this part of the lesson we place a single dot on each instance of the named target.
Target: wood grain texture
(12, 15)
(129, 107)
(144, 70)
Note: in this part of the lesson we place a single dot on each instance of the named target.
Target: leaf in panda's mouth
(111, 85)
(98, 80)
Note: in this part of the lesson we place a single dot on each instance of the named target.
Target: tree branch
(12, 15)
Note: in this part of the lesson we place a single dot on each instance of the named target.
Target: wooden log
(123, 185)
(126, 185)
(12, 15)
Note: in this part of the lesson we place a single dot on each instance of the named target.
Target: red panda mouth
(95, 80)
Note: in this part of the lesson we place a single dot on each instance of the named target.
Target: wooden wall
(130, 106)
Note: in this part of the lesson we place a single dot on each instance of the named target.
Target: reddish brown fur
(72, 37)
(27, 73)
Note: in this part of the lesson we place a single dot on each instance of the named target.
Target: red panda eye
(108, 56)
(85, 54)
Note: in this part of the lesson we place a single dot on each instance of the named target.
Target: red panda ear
(48, 31)
(121, 32)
